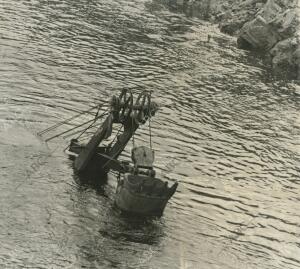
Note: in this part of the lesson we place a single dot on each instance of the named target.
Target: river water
(226, 130)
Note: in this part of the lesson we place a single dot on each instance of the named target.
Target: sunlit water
(226, 130)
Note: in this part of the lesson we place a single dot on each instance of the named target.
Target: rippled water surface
(226, 130)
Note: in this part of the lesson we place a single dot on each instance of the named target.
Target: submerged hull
(143, 195)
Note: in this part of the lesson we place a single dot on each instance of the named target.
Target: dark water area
(226, 130)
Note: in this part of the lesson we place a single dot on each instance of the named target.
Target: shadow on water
(133, 228)
(121, 225)
(91, 177)
(106, 229)
(136, 244)
(93, 181)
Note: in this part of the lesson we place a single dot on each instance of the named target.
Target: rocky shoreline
(269, 26)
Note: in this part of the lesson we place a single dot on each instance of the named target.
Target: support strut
(123, 112)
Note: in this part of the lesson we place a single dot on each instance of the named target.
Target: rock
(240, 12)
(270, 10)
(286, 24)
(286, 58)
(296, 57)
(229, 28)
(275, 29)
(259, 34)
(272, 26)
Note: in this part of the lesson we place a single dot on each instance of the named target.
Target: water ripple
(225, 129)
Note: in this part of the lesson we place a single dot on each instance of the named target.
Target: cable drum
(138, 113)
(126, 104)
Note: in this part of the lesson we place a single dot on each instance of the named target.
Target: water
(227, 131)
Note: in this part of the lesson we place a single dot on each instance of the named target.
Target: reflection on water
(226, 131)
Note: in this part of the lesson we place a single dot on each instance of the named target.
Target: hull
(143, 195)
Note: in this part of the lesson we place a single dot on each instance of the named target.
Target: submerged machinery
(138, 191)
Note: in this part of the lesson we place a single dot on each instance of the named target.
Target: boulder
(286, 23)
(286, 57)
(237, 14)
(259, 34)
(273, 23)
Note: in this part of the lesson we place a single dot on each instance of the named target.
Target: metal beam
(90, 149)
